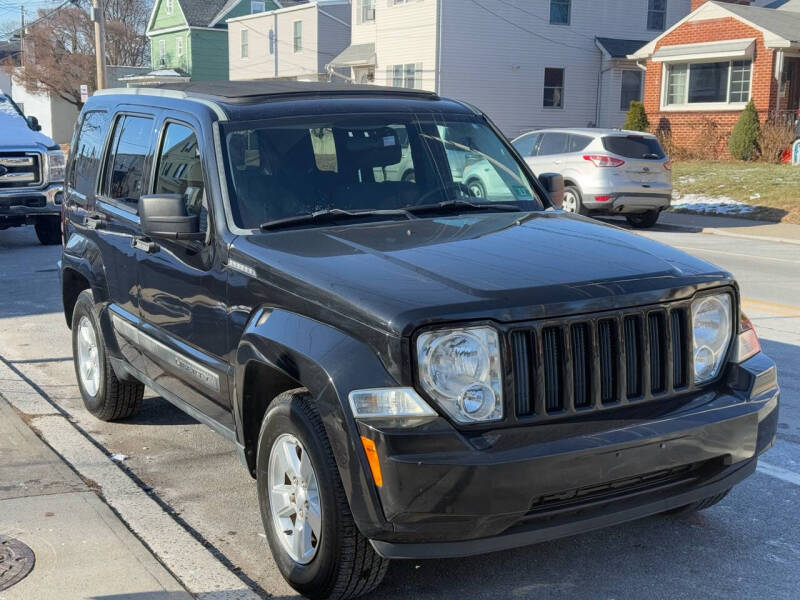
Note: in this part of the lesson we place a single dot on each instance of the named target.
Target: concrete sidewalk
(82, 548)
(729, 226)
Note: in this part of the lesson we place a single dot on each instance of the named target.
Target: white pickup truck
(31, 175)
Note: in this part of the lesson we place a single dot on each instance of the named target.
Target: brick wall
(694, 131)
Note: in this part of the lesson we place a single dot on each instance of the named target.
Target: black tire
(345, 564)
(699, 505)
(409, 176)
(114, 399)
(476, 188)
(643, 220)
(48, 230)
(579, 208)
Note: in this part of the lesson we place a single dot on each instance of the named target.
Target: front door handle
(144, 244)
(93, 221)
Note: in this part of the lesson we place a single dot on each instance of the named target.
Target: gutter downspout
(778, 77)
(438, 67)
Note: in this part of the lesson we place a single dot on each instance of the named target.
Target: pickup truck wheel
(699, 505)
(307, 519)
(642, 220)
(48, 230)
(104, 395)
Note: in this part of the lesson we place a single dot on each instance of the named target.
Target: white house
(527, 63)
(295, 42)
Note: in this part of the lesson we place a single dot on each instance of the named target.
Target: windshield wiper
(330, 215)
(461, 206)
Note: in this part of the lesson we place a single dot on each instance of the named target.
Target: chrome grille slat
(20, 169)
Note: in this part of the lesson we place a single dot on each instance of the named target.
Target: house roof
(781, 22)
(200, 13)
(354, 55)
(619, 48)
(784, 4)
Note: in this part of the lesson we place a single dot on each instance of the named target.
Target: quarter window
(180, 170)
(88, 148)
(125, 167)
(553, 88)
(656, 14)
(704, 83)
(298, 36)
(560, 12)
(631, 88)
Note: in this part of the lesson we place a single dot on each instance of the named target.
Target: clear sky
(10, 13)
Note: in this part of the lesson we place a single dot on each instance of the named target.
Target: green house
(189, 38)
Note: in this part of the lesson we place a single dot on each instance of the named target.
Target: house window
(162, 50)
(656, 14)
(398, 2)
(257, 6)
(631, 88)
(245, 43)
(720, 82)
(169, 7)
(405, 76)
(366, 11)
(178, 46)
(559, 12)
(553, 88)
(298, 36)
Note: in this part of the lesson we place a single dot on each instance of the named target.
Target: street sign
(84, 92)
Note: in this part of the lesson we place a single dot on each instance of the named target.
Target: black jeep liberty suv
(408, 371)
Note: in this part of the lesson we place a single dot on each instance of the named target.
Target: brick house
(701, 72)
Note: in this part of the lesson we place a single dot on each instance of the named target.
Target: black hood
(503, 266)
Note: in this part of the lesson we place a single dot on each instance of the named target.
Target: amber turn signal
(372, 459)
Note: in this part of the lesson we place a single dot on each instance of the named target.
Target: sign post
(84, 93)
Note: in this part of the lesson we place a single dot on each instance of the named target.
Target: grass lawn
(774, 189)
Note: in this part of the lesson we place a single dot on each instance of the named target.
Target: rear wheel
(699, 505)
(48, 230)
(643, 220)
(307, 519)
(573, 200)
(104, 395)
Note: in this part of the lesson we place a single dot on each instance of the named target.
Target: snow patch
(119, 457)
(712, 205)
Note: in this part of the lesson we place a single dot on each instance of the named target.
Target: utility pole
(99, 42)
(22, 35)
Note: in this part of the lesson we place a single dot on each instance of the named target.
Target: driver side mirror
(553, 184)
(33, 123)
(165, 216)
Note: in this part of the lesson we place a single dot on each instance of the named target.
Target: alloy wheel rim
(476, 190)
(88, 357)
(570, 203)
(294, 499)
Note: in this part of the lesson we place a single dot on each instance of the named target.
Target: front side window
(366, 11)
(125, 176)
(298, 36)
(656, 15)
(631, 88)
(88, 148)
(245, 43)
(560, 12)
(179, 170)
(553, 88)
(707, 83)
(526, 144)
(292, 167)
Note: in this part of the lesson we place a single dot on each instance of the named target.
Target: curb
(727, 233)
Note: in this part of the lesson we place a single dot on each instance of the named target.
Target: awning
(355, 55)
(743, 48)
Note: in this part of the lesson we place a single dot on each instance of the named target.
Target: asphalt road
(748, 546)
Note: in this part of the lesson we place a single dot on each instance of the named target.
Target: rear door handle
(145, 244)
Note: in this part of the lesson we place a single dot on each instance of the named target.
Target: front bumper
(17, 204)
(447, 494)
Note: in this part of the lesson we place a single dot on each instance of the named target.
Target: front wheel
(48, 230)
(573, 201)
(643, 220)
(307, 519)
(476, 188)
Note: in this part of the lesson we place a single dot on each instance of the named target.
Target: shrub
(743, 143)
(774, 139)
(636, 118)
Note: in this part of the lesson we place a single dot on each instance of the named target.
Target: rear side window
(180, 170)
(553, 143)
(88, 150)
(578, 142)
(125, 167)
(634, 146)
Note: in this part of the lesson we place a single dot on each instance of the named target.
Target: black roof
(619, 48)
(254, 91)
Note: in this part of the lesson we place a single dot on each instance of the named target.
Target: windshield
(283, 168)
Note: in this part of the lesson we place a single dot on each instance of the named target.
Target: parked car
(407, 370)
(606, 171)
(31, 175)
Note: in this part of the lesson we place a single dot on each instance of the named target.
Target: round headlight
(456, 361)
(711, 331)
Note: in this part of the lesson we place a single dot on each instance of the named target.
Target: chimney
(698, 3)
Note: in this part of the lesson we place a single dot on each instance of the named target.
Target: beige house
(294, 42)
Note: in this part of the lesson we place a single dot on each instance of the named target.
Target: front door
(182, 287)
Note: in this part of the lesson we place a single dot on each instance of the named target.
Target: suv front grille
(20, 169)
(590, 363)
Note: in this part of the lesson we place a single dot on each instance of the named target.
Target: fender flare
(83, 256)
(320, 358)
